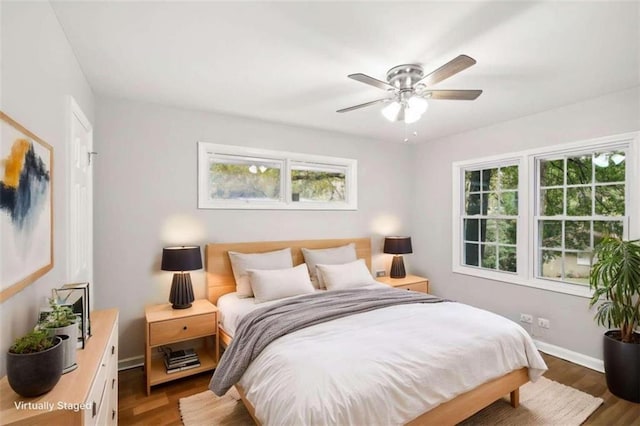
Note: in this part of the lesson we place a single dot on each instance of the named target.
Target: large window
(490, 218)
(535, 217)
(581, 198)
(233, 177)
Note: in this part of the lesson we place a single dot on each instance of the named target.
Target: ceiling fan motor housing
(405, 76)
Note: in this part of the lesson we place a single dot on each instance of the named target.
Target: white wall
(146, 198)
(572, 323)
(38, 72)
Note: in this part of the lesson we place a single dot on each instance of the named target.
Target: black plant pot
(622, 366)
(37, 373)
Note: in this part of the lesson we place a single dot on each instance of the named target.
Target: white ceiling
(288, 62)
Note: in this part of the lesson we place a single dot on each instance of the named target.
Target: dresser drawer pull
(184, 328)
(113, 350)
(94, 409)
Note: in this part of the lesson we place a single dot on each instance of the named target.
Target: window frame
(289, 160)
(464, 216)
(526, 246)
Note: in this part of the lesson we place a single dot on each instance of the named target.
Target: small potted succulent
(615, 277)
(60, 320)
(34, 363)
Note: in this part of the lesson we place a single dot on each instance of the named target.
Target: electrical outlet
(380, 273)
(544, 323)
(526, 318)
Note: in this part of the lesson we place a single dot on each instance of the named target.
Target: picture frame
(26, 207)
(77, 297)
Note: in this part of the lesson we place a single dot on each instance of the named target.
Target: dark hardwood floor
(161, 408)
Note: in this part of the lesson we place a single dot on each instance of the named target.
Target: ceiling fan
(408, 89)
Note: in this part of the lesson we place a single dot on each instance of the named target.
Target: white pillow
(279, 283)
(348, 275)
(329, 256)
(241, 262)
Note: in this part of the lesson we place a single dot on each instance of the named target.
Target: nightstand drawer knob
(184, 328)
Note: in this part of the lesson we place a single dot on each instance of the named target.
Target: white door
(80, 225)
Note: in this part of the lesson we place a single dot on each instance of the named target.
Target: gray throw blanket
(263, 326)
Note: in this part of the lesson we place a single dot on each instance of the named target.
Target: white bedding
(231, 308)
(381, 367)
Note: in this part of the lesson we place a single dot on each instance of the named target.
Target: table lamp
(183, 258)
(397, 246)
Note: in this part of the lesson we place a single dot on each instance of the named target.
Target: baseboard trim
(569, 355)
(129, 363)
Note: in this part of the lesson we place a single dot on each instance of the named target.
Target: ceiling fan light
(601, 160)
(411, 116)
(418, 104)
(390, 112)
(617, 158)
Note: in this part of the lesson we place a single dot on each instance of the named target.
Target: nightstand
(165, 326)
(410, 282)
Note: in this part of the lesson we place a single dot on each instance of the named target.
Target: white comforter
(386, 366)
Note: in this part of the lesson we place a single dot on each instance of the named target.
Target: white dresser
(85, 396)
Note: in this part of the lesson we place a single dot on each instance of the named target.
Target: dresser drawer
(163, 332)
(421, 287)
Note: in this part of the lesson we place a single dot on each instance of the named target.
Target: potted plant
(615, 276)
(34, 363)
(60, 320)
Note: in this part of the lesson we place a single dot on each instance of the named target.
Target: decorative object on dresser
(77, 297)
(86, 396)
(616, 277)
(410, 282)
(167, 326)
(60, 320)
(184, 258)
(397, 246)
(26, 185)
(34, 363)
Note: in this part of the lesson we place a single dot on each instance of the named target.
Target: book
(181, 354)
(185, 366)
(180, 363)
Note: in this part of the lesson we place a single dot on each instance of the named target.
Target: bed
(448, 406)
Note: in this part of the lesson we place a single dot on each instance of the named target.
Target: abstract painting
(26, 207)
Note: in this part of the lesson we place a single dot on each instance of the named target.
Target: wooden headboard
(220, 278)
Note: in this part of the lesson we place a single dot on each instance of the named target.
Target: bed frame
(220, 281)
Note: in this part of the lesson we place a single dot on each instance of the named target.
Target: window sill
(554, 286)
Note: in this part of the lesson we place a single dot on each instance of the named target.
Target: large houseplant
(60, 320)
(34, 363)
(615, 276)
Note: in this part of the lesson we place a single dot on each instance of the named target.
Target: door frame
(75, 110)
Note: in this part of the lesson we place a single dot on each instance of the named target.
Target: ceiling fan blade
(363, 78)
(449, 69)
(377, 101)
(456, 95)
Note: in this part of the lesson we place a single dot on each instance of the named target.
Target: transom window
(234, 177)
(535, 217)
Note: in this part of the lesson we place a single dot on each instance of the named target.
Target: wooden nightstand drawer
(163, 332)
(410, 282)
(421, 287)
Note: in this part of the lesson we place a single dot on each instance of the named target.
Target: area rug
(544, 402)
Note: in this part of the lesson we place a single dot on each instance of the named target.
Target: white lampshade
(418, 104)
(411, 115)
(617, 158)
(391, 111)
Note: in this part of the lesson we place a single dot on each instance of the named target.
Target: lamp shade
(397, 245)
(181, 258)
